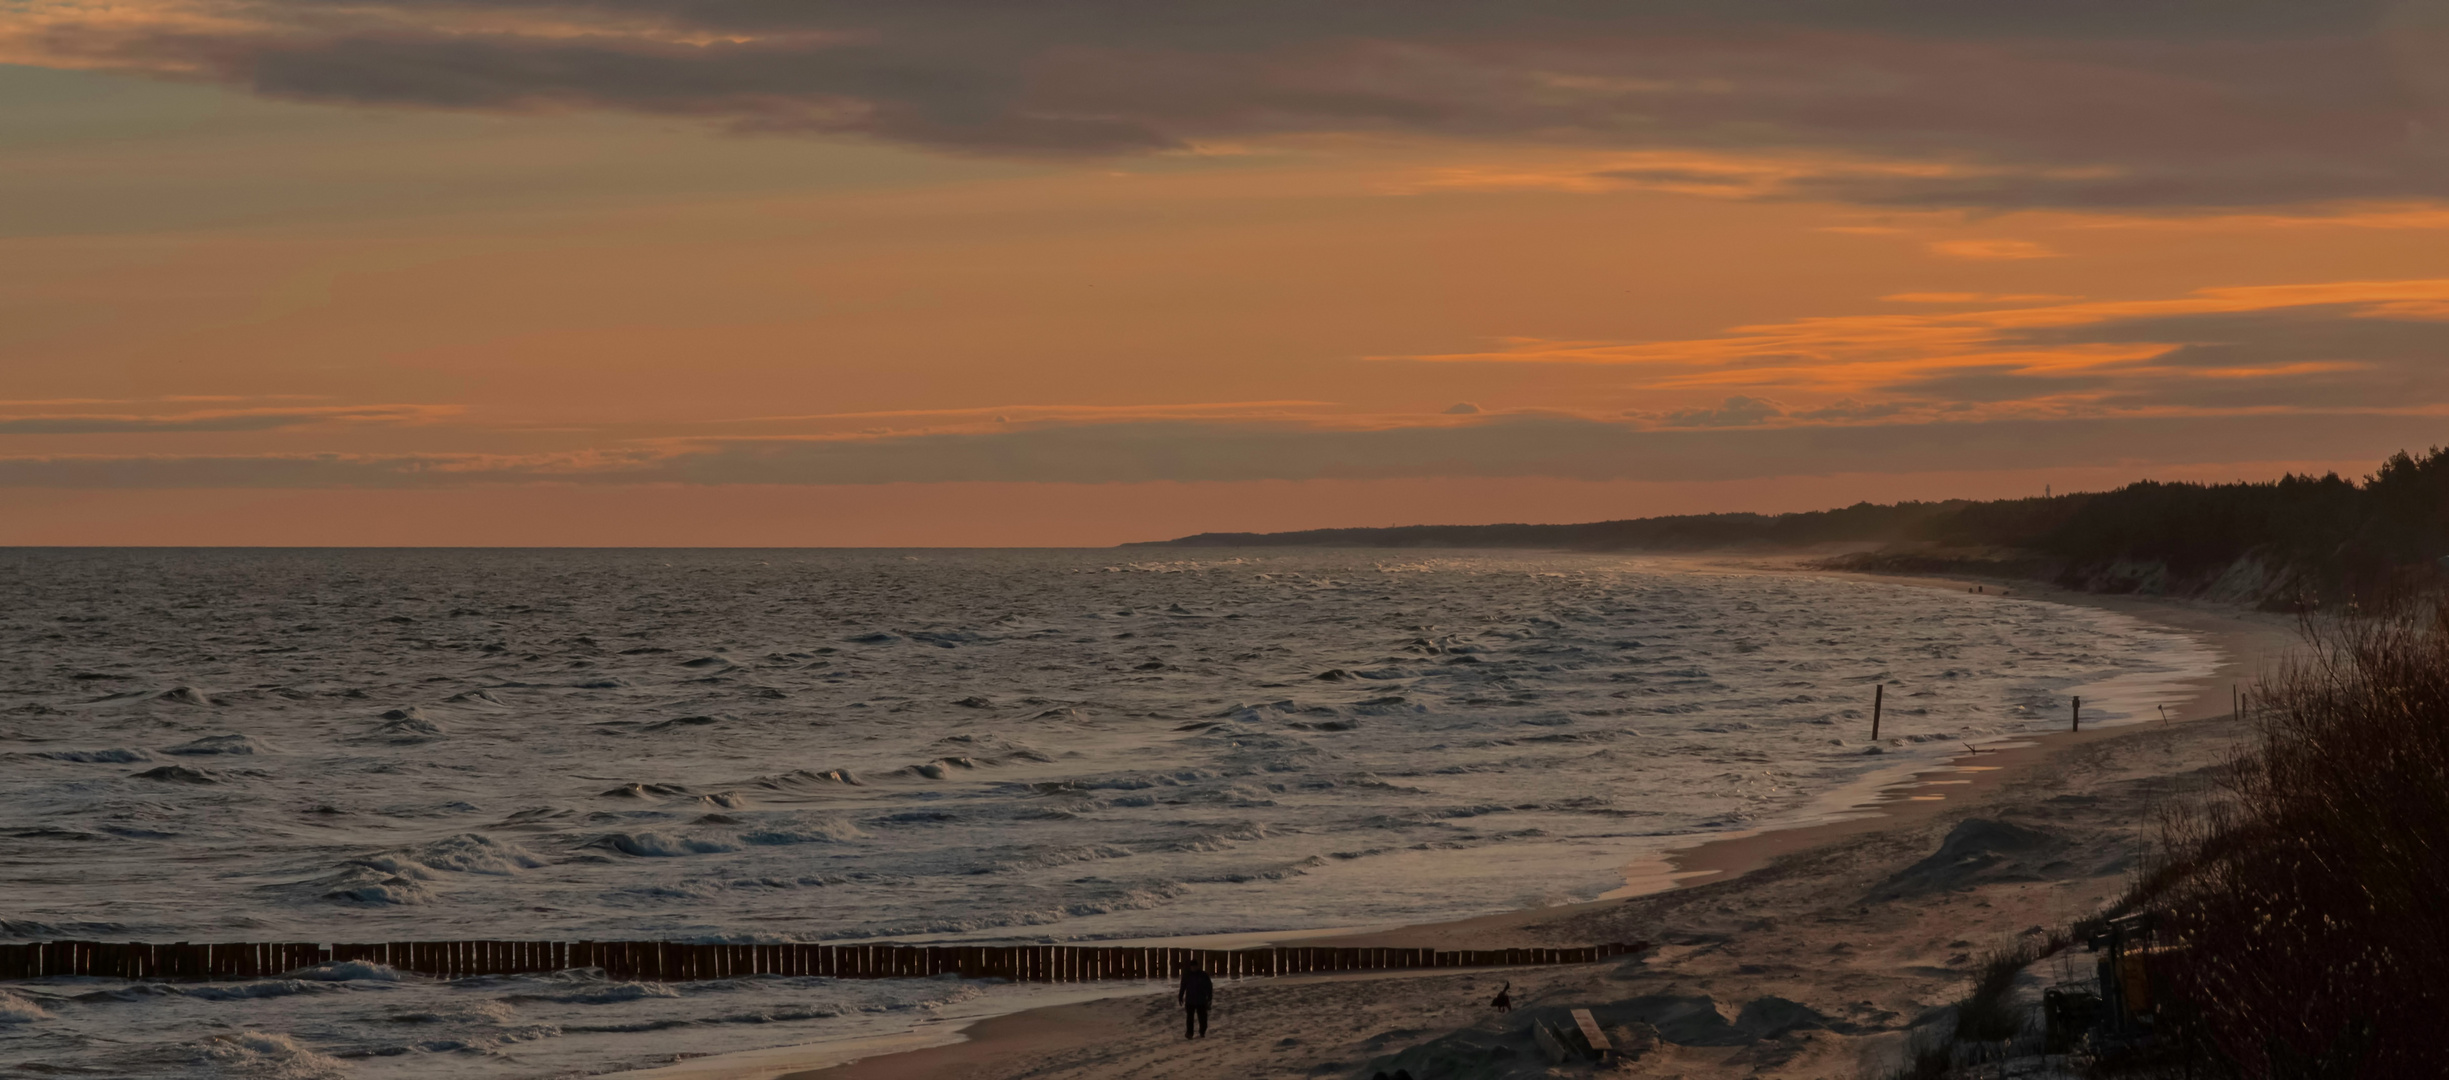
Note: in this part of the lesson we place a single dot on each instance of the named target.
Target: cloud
(1043, 414)
(2363, 345)
(2153, 103)
(1976, 298)
(1462, 408)
(1737, 411)
(216, 420)
(1991, 249)
(1848, 409)
(1987, 383)
(1194, 451)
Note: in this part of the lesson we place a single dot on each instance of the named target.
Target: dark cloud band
(1517, 446)
(2148, 103)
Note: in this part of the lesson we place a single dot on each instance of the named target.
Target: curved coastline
(971, 1045)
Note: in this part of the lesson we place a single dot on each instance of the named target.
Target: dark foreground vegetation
(2295, 922)
(2300, 537)
(2305, 912)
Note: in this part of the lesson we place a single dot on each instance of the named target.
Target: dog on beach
(1505, 999)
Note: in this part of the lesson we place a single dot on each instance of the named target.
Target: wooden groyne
(673, 961)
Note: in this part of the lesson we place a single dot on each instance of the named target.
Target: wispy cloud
(1976, 298)
(1194, 451)
(1041, 414)
(1736, 411)
(261, 419)
(2326, 345)
(1992, 249)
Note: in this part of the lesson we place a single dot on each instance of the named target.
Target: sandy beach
(1810, 951)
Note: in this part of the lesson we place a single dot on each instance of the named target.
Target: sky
(1079, 272)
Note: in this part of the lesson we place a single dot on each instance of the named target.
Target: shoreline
(2245, 640)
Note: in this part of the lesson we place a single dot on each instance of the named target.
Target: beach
(1466, 750)
(1811, 951)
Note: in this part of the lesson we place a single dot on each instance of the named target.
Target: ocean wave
(681, 723)
(114, 755)
(807, 779)
(721, 799)
(1274, 873)
(1153, 895)
(661, 845)
(646, 791)
(394, 890)
(1069, 856)
(580, 989)
(267, 1056)
(465, 853)
(254, 991)
(1145, 896)
(216, 744)
(407, 725)
(944, 766)
(35, 929)
(1218, 840)
(347, 971)
(786, 1014)
(828, 831)
(15, 1009)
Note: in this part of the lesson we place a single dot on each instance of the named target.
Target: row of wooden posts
(2074, 717)
(672, 961)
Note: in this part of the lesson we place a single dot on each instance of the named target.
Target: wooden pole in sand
(2075, 716)
(1879, 691)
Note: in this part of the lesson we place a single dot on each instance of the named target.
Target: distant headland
(2298, 540)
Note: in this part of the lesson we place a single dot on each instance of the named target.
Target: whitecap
(817, 832)
(406, 729)
(465, 853)
(269, 1055)
(114, 755)
(347, 971)
(19, 1010)
(388, 891)
(216, 744)
(658, 845)
(253, 991)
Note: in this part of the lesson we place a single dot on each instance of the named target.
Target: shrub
(2307, 903)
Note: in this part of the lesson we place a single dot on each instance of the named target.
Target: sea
(923, 746)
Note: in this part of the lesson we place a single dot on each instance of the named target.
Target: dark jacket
(1198, 991)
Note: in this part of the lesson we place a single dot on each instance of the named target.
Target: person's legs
(1202, 1011)
(1190, 1021)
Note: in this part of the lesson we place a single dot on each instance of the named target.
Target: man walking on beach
(1197, 993)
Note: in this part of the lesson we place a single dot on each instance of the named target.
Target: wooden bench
(1559, 1047)
(1591, 1034)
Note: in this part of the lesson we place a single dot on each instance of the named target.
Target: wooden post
(1879, 694)
(2075, 716)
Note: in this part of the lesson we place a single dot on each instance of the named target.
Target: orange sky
(852, 273)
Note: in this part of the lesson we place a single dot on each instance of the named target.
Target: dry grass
(2310, 900)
